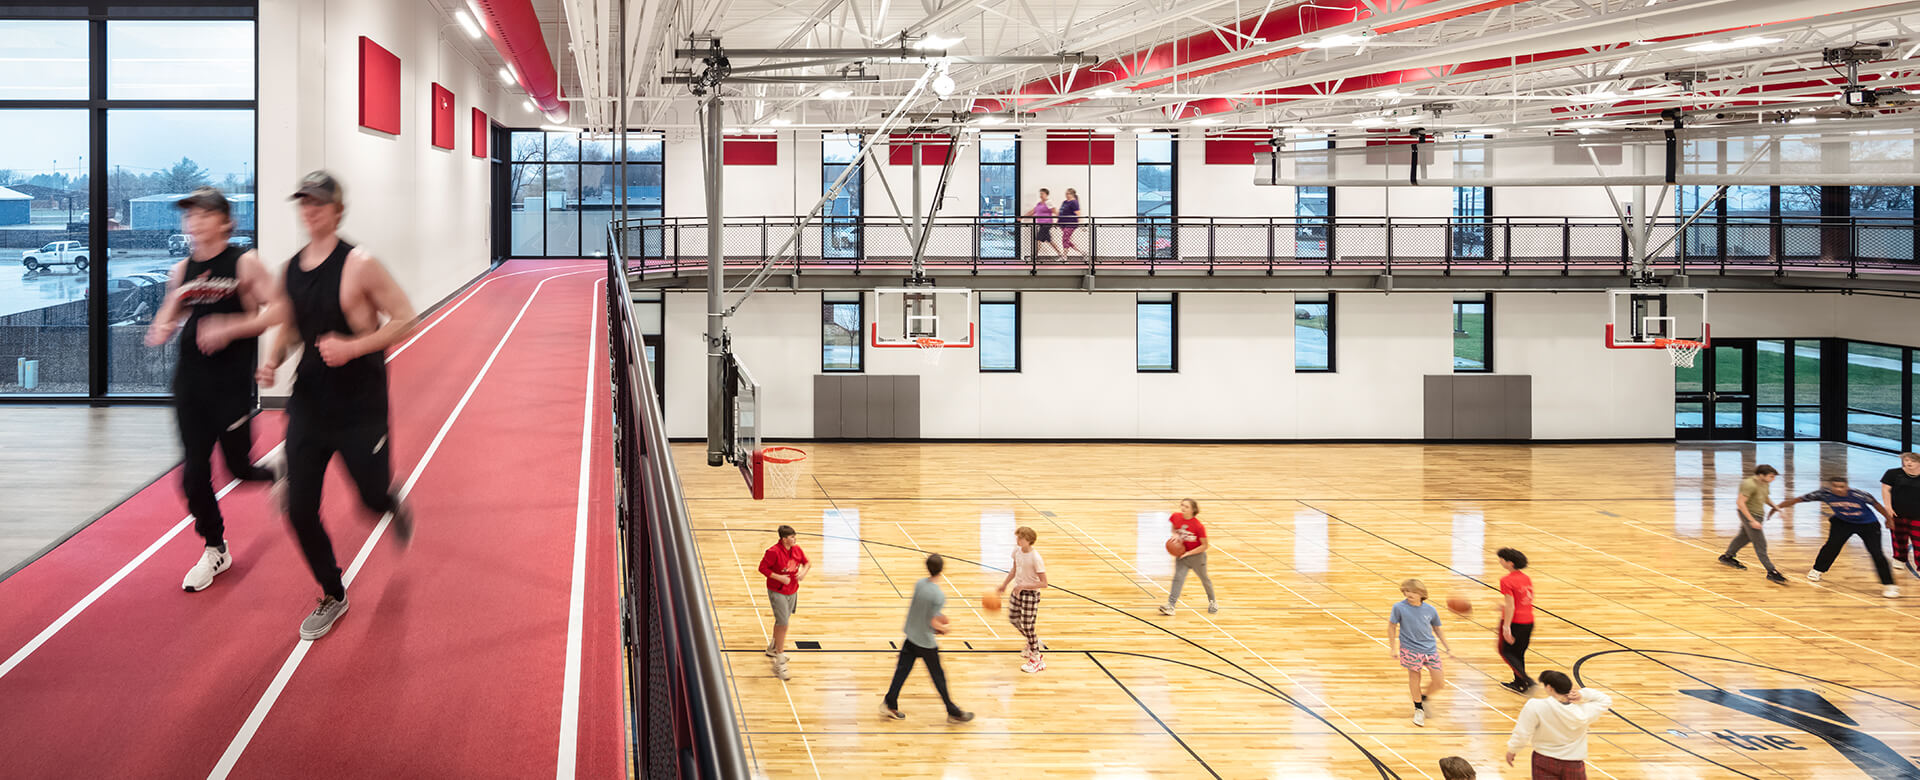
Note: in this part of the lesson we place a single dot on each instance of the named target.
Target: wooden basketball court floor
(1714, 672)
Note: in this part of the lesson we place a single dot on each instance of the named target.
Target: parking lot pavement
(62, 284)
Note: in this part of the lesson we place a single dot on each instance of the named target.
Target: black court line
(1153, 715)
(863, 542)
(1562, 618)
(1016, 497)
(1273, 690)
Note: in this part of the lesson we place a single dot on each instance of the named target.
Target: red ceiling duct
(515, 32)
(1279, 24)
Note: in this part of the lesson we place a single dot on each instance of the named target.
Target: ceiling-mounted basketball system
(1648, 316)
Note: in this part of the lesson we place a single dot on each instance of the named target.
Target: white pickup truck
(73, 253)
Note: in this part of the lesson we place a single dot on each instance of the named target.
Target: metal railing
(684, 724)
(676, 246)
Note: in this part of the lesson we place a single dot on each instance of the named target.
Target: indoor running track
(485, 649)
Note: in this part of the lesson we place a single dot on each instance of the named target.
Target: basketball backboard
(912, 317)
(1644, 317)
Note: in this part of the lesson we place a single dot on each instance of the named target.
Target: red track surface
(449, 663)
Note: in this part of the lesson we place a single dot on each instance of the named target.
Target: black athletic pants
(1838, 531)
(311, 445)
(204, 422)
(908, 652)
(1515, 653)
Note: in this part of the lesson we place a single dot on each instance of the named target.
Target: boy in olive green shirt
(1753, 505)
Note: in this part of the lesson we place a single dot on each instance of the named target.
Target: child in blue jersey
(1411, 631)
(1853, 515)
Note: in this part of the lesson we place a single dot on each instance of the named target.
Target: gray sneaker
(321, 621)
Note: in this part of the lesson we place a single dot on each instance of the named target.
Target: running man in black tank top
(346, 310)
(222, 292)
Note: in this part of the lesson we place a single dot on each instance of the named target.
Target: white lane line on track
(577, 595)
(280, 680)
(67, 617)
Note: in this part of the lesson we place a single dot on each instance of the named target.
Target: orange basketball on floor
(1176, 548)
(991, 601)
(1459, 604)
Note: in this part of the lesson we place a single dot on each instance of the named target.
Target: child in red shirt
(783, 564)
(1516, 618)
(1187, 529)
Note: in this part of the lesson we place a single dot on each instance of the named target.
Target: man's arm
(1506, 616)
(256, 296)
(1393, 636)
(1886, 494)
(1593, 704)
(1441, 635)
(168, 319)
(1746, 515)
(1204, 544)
(1522, 732)
(388, 300)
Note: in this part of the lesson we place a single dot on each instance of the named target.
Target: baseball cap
(319, 186)
(205, 199)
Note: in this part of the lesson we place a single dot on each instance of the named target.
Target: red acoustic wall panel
(479, 133)
(379, 88)
(750, 150)
(933, 148)
(1235, 148)
(1079, 147)
(442, 117)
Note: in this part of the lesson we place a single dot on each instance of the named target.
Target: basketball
(1459, 604)
(1176, 548)
(991, 601)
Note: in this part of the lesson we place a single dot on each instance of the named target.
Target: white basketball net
(1682, 351)
(930, 350)
(782, 467)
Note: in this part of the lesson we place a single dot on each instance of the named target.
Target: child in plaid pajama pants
(1028, 575)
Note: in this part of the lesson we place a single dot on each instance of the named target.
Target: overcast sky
(149, 60)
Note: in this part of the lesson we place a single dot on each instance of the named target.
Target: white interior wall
(1236, 378)
(424, 211)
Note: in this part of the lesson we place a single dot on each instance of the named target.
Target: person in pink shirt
(1042, 214)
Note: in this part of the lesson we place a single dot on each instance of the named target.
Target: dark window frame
(1486, 333)
(1332, 348)
(98, 15)
(1019, 326)
(1844, 402)
(859, 338)
(1012, 219)
(858, 183)
(1144, 222)
(1173, 334)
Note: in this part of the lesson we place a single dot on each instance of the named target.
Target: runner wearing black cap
(345, 310)
(222, 294)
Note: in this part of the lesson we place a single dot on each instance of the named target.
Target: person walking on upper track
(1042, 214)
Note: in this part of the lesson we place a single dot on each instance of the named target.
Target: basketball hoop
(780, 471)
(1681, 350)
(930, 349)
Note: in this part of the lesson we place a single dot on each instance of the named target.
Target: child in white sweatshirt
(1557, 726)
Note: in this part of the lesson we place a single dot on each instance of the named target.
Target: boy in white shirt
(1557, 727)
(1028, 575)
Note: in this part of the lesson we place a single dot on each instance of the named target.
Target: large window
(1154, 189)
(1883, 219)
(89, 175)
(1739, 223)
(1876, 394)
(1786, 388)
(1473, 333)
(1156, 332)
(999, 331)
(843, 325)
(840, 224)
(562, 191)
(1313, 206)
(1472, 206)
(1313, 332)
(999, 196)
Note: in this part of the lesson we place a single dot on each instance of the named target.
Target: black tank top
(208, 287)
(356, 389)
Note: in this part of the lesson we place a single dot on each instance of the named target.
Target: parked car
(136, 297)
(179, 244)
(243, 242)
(73, 253)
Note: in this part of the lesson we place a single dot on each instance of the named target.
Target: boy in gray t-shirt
(1411, 630)
(923, 622)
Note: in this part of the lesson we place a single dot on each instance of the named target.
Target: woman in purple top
(1042, 213)
(1070, 221)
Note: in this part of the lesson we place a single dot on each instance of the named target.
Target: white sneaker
(1813, 575)
(1166, 610)
(1213, 608)
(1037, 664)
(1419, 717)
(780, 667)
(1891, 591)
(200, 576)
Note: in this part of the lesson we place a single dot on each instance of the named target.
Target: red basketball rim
(769, 455)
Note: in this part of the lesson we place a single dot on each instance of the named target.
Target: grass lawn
(1470, 344)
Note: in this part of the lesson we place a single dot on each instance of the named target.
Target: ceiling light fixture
(835, 94)
(937, 42)
(1485, 130)
(506, 75)
(559, 128)
(779, 121)
(467, 23)
(529, 105)
(1393, 93)
(1107, 130)
(731, 131)
(1742, 43)
(1370, 121)
(1342, 39)
(1104, 92)
(1802, 120)
(989, 119)
(1206, 120)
